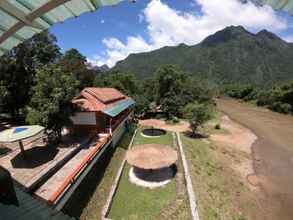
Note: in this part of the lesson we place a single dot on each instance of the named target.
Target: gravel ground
(272, 155)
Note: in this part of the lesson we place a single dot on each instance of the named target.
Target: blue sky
(112, 33)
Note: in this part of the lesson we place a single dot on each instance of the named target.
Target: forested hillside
(230, 55)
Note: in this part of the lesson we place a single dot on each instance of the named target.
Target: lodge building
(102, 111)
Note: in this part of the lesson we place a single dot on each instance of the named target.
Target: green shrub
(281, 107)
(197, 114)
(175, 120)
(218, 126)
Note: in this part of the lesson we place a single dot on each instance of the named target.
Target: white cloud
(102, 21)
(167, 26)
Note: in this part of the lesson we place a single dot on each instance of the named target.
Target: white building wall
(119, 131)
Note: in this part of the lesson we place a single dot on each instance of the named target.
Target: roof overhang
(284, 5)
(118, 108)
(21, 19)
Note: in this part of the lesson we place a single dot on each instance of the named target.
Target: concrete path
(191, 194)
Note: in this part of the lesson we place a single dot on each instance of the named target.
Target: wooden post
(21, 148)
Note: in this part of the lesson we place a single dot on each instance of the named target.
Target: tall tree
(168, 87)
(197, 114)
(51, 103)
(125, 82)
(169, 78)
(74, 62)
(18, 68)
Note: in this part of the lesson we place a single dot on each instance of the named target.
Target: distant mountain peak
(101, 69)
(228, 33)
(230, 55)
(269, 35)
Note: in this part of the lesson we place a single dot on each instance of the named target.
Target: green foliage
(174, 89)
(169, 78)
(240, 91)
(126, 83)
(218, 126)
(74, 62)
(51, 102)
(175, 120)
(18, 70)
(278, 98)
(3, 94)
(197, 114)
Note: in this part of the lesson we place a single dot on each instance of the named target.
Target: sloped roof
(99, 99)
(105, 95)
(151, 156)
(30, 208)
(284, 5)
(21, 19)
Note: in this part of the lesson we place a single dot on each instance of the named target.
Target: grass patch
(91, 195)
(220, 192)
(165, 139)
(135, 202)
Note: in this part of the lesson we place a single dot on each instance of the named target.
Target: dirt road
(272, 154)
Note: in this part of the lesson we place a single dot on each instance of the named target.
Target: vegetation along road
(272, 155)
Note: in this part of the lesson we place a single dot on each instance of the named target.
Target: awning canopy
(21, 19)
(20, 133)
(151, 156)
(121, 106)
(284, 5)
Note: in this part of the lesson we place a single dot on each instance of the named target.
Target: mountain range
(230, 55)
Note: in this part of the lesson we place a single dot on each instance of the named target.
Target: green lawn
(164, 139)
(135, 202)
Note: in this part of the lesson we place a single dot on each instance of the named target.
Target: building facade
(102, 110)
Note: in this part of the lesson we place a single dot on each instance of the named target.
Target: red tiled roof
(98, 99)
(105, 95)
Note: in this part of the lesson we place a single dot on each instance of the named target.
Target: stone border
(191, 195)
(106, 208)
(147, 136)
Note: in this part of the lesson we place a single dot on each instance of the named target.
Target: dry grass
(220, 191)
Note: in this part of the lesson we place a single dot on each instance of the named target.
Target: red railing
(72, 177)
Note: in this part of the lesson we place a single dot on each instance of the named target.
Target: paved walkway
(191, 195)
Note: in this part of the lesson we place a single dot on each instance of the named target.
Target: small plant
(175, 120)
(217, 126)
(197, 114)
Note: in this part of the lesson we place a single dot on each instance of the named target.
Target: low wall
(191, 195)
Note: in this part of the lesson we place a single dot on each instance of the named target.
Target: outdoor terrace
(57, 184)
(41, 159)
